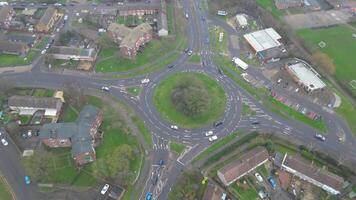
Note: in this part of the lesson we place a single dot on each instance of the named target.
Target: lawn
(40, 92)
(195, 59)
(144, 131)
(269, 6)
(4, 190)
(25, 119)
(134, 90)
(164, 105)
(70, 114)
(176, 148)
(246, 110)
(248, 193)
(14, 60)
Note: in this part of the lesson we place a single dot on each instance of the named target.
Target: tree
(39, 165)
(5, 86)
(75, 93)
(324, 61)
(186, 187)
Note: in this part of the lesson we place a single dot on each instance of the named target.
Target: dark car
(154, 180)
(161, 162)
(216, 124)
(255, 123)
(170, 66)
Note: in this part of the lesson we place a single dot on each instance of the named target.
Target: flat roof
(241, 19)
(306, 76)
(263, 39)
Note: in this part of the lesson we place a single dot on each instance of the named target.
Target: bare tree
(74, 93)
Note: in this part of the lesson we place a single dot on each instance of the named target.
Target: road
(197, 33)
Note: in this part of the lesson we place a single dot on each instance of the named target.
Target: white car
(65, 17)
(208, 133)
(190, 52)
(320, 137)
(146, 80)
(105, 189)
(4, 142)
(106, 89)
(213, 138)
(174, 127)
(43, 51)
(258, 177)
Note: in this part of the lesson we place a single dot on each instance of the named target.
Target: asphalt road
(198, 40)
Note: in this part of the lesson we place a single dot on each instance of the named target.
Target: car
(190, 52)
(255, 123)
(43, 51)
(105, 189)
(0, 133)
(105, 88)
(272, 182)
(297, 90)
(320, 137)
(154, 180)
(186, 15)
(145, 80)
(4, 142)
(279, 80)
(170, 66)
(186, 50)
(149, 196)
(208, 133)
(213, 138)
(120, 3)
(27, 180)
(174, 127)
(65, 17)
(161, 163)
(216, 124)
(258, 177)
(29, 133)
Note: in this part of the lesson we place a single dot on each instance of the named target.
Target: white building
(238, 62)
(327, 181)
(263, 40)
(241, 20)
(28, 105)
(305, 76)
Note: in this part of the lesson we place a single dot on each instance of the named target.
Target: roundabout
(189, 100)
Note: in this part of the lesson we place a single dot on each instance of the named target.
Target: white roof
(240, 63)
(241, 19)
(263, 39)
(306, 76)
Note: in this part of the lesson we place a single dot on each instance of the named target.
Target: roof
(241, 19)
(49, 13)
(8, 46)
(300, 165)
(4, 11)
(34, 102)
(78, 132)
(306, 75)
(72, 51)
(212, 192)
(137, 32)
(119, 29)
(29, 12)
(245, 163)
(263, 39)
(28, 39)
(162, 17)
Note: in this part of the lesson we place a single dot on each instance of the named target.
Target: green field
(14, 60)
(195, 59)
(164, 105)
(134, 90)
(269, 6)
(4, 191)
(176, 148)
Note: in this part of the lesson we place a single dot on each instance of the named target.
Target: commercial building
(6, 14)
(131, 40)
(28, 105)
(305, 76)
(47, 20)
(327, 181)
(13, 48)
(245, 164)
(284, 4)
(73, 53)
(79, 135)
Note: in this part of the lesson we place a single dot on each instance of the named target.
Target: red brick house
(79, 135)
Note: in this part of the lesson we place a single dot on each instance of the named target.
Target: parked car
(105, 88)
(149, 196)
(43, 51)
(146, 80)
(4, 142)
(272, 182)
(105, 189)
(320, 137)
(258, 177)
(213, 138)
(174, 127)
(208, 133)
(190, 52)
(27, 180)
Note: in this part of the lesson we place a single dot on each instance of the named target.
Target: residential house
(47, 20)
(245, 164)
(130, 39)
(6, 14)
(68, 53)
(13, 48)
(79, 135)
(328, 181)
(284, 4)
(28, 105)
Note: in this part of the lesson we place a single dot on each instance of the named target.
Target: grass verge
(176, 148)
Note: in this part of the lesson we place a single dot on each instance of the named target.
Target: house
(130, 39)
(328, 181)
(284, 4)
(29, 40)
(6, 14)
(28, 105)
(68, 53)
(212, 192)
(13, 48)
(79, 135)
(245, 164)
(305, 76)
(47, 20)
(162, 26)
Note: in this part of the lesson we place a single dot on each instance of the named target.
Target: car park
(105, 189)
(174, 127)
(105, 88)
(258, 177)
(27, 180)
(4, 142)
(209, 133)
(213, 138)
(149, 196)
(320, 137)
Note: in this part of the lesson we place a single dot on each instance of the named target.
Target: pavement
(198, 40)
